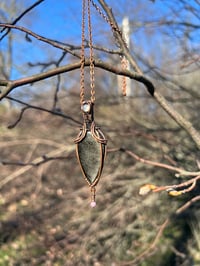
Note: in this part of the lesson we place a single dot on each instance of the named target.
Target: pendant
(90, 149)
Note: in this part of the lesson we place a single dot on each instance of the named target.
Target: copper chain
(91, 55)
(124, 61)
(112, 25)
(92, 85)
(82, 89)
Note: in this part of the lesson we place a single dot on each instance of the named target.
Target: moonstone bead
(86, 107)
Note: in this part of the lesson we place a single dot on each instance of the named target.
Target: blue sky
(58, 20)
(61, 20)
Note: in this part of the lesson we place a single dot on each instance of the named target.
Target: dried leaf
(144, 190)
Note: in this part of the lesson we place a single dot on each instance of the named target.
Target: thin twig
(30, 106)
(180, 120)
(19, 118)
(55, 98)
(19, 17)
(44, 159)
(191, 182)
(151, 247)
(187, 205)
(36, 161)
(56, 44)
(30, 141)
(119, 37)
(177, 117)
(70, 67)
(161, 165)
(154, 243)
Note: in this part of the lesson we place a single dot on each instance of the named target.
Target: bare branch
(180, 171)
(20, 16)
(119, 36)
(19, 118)
(151, 247)
(36, 161)
(60, 45)
(187, 205)
(30, 141)
(180, 120)
(134, 75)
(157, 96)
(53, 43)
(45, 160)
(55, 101)
(53, 72)
(28, 106)
(154, 243)
(172, 190)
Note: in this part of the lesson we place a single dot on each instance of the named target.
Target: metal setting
(90, 148)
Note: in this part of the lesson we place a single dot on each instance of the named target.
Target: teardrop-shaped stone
(91, 156)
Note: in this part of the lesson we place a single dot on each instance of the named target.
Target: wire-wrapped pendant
(90, 149)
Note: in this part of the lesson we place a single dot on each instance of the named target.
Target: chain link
(124, 63)
(91, 55)
(82, 76)
(92, 85)
(114, 27)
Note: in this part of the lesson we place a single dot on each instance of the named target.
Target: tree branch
(118, 36)
(36, 161)
(187, 205)
(64, 47)
(172, 190)
(53, 72)
(98, 63)
(180, 120)
(20, 16)
(45, 160)
(53, 112)
(161, 229)
(60, 45)
(180, 171)
(157, 96)
(138, 75)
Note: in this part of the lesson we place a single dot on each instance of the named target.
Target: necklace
(90, 142)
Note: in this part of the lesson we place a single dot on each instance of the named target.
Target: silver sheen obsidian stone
(90, 156)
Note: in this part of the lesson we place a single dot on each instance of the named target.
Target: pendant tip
(93, 204)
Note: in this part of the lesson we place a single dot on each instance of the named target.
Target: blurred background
(45, 217)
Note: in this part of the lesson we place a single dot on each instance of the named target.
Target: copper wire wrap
(93, 194)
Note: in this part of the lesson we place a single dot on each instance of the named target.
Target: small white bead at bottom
(93, 204)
